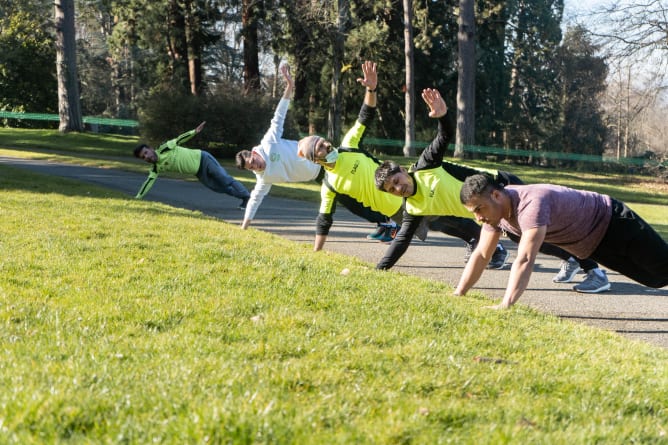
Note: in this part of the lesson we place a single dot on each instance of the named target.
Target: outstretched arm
(432, 156)
(289, 83)
(370, 81)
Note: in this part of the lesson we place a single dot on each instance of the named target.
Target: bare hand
(199, 127)
(370, 79)
(435, 102)
(285, 70)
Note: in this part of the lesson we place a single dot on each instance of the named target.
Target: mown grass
(133, 322)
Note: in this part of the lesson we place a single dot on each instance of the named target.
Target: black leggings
(633, 248)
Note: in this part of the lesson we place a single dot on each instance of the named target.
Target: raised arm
(370, 82)
(289, 83)
(432, 156)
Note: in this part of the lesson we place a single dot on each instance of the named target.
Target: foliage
(27, 66)
(234, 122)
(582, 78)
(114, 330)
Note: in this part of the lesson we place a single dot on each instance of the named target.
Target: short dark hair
(138, 149)
(241, 158)
(384, 171)
(478, 185)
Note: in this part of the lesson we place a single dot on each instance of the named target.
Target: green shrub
(233, 121)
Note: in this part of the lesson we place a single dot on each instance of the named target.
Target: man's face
(255, 162)
(400, 184)
(149, 155)
(322, 148)
(486, 208)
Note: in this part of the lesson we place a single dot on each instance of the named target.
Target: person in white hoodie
(275, 160)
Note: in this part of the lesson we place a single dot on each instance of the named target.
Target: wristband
(370, 91)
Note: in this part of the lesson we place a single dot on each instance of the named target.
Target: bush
(233, 121)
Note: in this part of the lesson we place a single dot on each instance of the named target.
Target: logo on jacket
(357, 164)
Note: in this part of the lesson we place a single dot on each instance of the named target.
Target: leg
(633, 248)
(214, 176)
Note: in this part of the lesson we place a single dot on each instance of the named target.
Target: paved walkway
(630, 309)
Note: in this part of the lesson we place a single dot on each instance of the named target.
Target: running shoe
(596, 281)
(499, 258)
(567, 271)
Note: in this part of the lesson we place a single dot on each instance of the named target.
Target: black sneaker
(244, 201)
(499, 258)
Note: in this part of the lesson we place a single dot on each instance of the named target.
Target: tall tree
(466, 78)
(250, 16)
(69, 106)
(409, 126)
(582, 79)
(338, 55)
(533, 103)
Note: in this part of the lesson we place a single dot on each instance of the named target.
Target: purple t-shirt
(576, 220)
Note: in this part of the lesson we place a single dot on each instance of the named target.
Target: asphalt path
(630, 309)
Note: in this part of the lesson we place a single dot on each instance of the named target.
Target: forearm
(520, 273)
(471, 274)
(245, 223)
(319, 242)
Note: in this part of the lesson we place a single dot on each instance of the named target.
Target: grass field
(133, 322)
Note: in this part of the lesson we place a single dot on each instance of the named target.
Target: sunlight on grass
(134, 322)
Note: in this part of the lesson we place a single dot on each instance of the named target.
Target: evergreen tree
(582, 79)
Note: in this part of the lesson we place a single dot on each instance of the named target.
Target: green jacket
(173, 158)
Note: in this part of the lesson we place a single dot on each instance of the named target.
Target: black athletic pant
(633, 248)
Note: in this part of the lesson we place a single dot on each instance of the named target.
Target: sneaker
(596, 281)
(244, 201)
(499, 258)
(567, 272)
(378, 234)
(470, 247)
(389, 234)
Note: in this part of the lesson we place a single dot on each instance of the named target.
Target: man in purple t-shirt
(586, 224)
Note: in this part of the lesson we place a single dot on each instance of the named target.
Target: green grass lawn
(126, 321)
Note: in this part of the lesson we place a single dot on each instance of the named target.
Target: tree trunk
(249, 19)
(193, 48)
(69, 105)
(336, 92)
(409, 149)
(465, 78)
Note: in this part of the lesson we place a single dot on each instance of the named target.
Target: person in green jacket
(170, 156)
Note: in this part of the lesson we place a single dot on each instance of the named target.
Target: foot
(567, 272)
(499, 258)
(380, 230)
(596, 281)
(389, 233)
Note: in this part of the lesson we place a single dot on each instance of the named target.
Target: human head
(483, 196)
(146, 152)
(250, 160)
(314, 148)
(394, 179)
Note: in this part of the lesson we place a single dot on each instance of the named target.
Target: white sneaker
(596, 281)
(567, 272)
